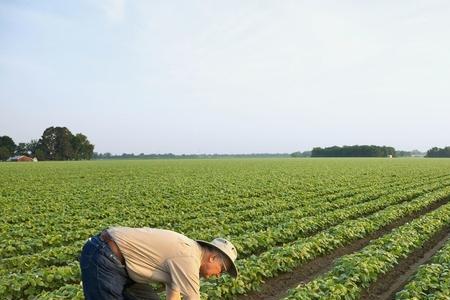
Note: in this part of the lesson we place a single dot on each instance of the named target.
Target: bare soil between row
(277, 287)
(390, 283)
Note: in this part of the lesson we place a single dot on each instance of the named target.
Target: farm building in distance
(22, 158)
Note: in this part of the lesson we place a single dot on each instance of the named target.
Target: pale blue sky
(227, 76)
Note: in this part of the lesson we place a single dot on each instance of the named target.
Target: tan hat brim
(233, 271)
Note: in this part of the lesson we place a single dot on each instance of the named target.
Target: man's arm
(171, 294)
(185, 279)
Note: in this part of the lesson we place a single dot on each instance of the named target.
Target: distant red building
(22, 158)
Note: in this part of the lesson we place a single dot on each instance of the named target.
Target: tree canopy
(7, 147)
(58, 143)
(438, 152)
(301, 154)
(353, 151)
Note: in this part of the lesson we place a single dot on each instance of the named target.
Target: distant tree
(353, 151)
(417, 153)
(127, 155)
(58, 143)
(21, 149)
(409, 153)
(307, 153)
(401, 153)
(105, 155)
(438, 152)
(47, 144)
(40, 154)
(4, 153)
(8, 147)
(82, 148)
(301, 154)
(446, 152)
(296, 154)
(32, 146)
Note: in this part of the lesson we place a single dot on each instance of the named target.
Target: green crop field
(280, 213)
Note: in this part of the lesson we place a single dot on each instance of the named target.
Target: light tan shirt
(157, 255)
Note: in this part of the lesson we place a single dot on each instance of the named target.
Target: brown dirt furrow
(277, 287)
(393, 281)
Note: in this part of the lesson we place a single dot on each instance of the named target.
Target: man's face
(212, 266)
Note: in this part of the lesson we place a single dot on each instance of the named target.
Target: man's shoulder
(167, 241)
(149, 231)
(172, 235)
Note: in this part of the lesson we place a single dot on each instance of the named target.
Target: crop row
(246, 243)
(14, 247)
(142, 186)
(309, 208)
(67, 202)
(68, 291)
(432, 280)
(266, 265)
(295, 228)
(74, 197)
(54, 256)
(28, 285)
(281, 259)
(249, 208)
(255, 269)
(355, 272)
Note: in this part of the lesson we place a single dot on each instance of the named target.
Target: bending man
(120, 262)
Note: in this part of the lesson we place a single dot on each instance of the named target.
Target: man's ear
(211, 257)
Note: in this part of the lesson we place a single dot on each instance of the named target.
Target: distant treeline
(301, 154)
(354, 151)
(346, 151)
(58, 143)
(439, 152)
(358, 151)
(108, 155)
